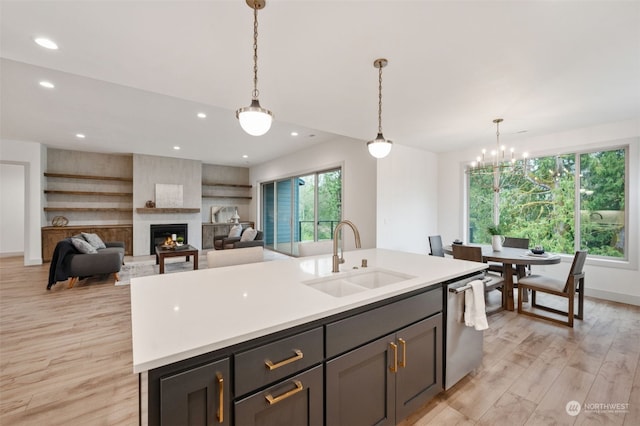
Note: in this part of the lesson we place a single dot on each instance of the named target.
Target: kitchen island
(198, 336)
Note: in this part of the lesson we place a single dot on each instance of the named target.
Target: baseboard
(12, 254)
(613, 297)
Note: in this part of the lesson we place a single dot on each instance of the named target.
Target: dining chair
(474, 254)
(566, 289)
(435, 244)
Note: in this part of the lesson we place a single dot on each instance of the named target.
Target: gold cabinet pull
(221, 395)
(274, 400)
(271, 366)
(394, 367)
(403, 363)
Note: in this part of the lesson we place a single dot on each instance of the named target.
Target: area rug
(144, 268)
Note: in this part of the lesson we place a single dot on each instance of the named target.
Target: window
(564, 203)
(301, 208)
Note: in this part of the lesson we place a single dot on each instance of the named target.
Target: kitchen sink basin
(336, 287)
(347, 283)
(377, 278)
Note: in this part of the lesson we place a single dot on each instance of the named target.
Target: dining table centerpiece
(497, 236)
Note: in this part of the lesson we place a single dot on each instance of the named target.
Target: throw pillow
(82, 246)
(236, 231)
(249, 234)
(94, 240)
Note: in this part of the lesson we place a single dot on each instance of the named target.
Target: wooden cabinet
(199, 396)
(384, 381)
(52, 234)
(295, 401)
(212, 230)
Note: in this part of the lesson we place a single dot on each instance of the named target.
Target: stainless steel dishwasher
(463, 345)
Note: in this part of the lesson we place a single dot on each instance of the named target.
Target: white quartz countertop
(182, 315)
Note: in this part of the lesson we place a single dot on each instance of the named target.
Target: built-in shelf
(241, 192)
(229, 185)
(167, 210)
(88, 209)
(72, 176)
(242, 197)
(115, 194)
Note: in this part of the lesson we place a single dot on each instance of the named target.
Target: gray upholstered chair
(565, 289)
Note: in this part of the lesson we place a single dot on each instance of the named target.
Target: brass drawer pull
(394, 367)
(271, 366)
(403, 363)
(221, 401)
(273, 400)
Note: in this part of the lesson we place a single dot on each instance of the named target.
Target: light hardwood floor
(65, 359)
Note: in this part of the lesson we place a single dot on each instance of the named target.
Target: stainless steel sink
(352, 282)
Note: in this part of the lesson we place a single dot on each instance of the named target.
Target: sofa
(223, 242)
(70, 262)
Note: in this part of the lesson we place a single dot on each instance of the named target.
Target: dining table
(510, 257)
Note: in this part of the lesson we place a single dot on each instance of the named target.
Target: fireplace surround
(159, 233)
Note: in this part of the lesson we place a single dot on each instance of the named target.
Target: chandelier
(379, 147)
(498, 159)
(254, 119)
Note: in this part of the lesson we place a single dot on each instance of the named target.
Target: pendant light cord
(380, 98)
(255, 92)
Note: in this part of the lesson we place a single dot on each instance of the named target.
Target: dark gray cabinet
(374, 365)
(199, 396)
(384, 381)
(295, 401)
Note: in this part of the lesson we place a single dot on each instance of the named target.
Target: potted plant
(497, 236)
(180, 240)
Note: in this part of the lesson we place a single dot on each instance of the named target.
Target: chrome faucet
(338, 260)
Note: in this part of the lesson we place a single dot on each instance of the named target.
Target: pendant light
(379, 147)
(254, 119)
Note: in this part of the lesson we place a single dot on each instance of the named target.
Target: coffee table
(185, 250)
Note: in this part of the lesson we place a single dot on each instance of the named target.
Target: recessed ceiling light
(47, 84)
(46, 43)
(202, 115)
(294, 133)
(80, 136)
(245, 156)
(177, 148)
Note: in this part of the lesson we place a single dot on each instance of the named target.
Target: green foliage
(541, 204)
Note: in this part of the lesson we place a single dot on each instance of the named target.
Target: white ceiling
(132, 75)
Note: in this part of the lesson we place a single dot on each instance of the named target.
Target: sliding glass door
(301, 208)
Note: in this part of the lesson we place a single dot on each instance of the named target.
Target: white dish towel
(474, 310)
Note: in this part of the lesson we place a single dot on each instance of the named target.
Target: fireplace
(159, 233)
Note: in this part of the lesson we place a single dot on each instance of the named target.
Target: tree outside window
(541, 203)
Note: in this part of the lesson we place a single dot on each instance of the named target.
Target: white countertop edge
(375, 295)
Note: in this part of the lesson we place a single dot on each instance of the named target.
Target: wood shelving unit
(115, 194)
(227, 185)
(72, 176)
(167, 210)
(88, 209)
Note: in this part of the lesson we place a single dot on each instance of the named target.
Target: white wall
(407, 199)
(12, 209)
(31, 155)
(358, 181)
(618, 281)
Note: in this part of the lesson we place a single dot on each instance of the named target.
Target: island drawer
(271, 362)
(354, 331)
